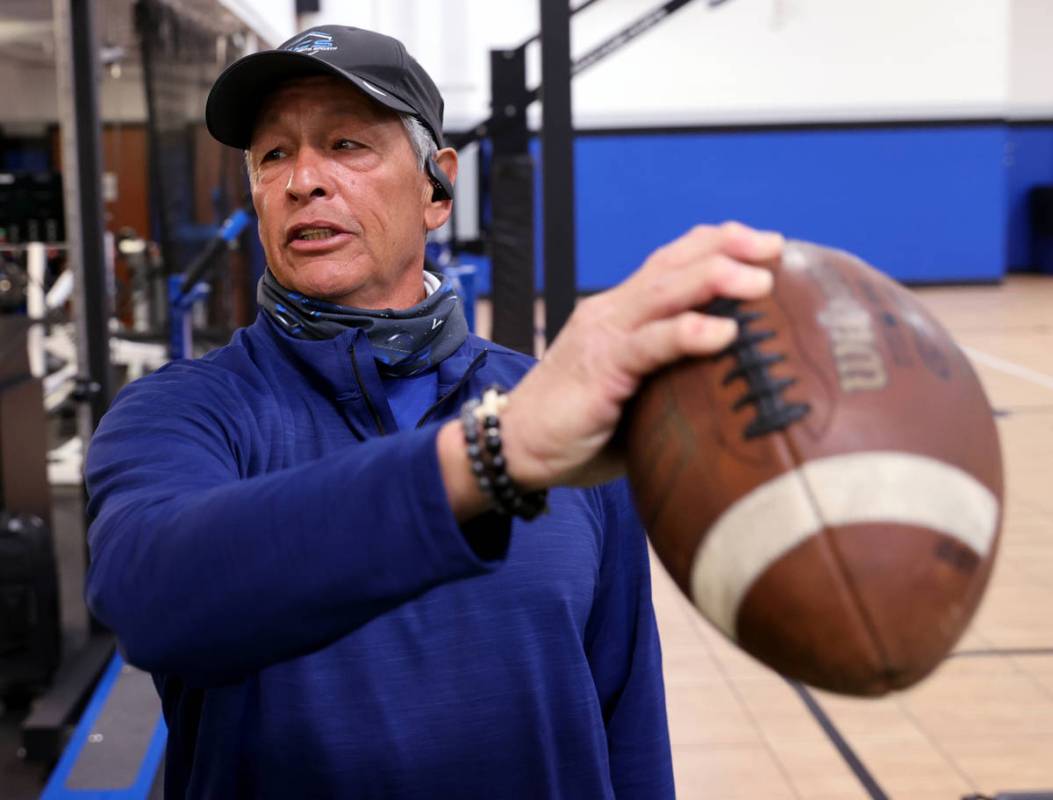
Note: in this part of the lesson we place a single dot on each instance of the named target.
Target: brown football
(828, 490)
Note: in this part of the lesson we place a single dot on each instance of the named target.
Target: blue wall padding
(482, 275)
(1029, 163)
(927, 203)
(924, 204)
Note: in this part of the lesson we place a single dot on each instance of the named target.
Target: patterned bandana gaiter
(405, 342)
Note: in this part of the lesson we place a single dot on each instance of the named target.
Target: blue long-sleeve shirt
(282, 557)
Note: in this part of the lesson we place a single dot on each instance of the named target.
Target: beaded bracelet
(481, 423)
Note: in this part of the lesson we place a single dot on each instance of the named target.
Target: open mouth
(314, 234)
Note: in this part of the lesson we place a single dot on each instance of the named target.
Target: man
(346, 579)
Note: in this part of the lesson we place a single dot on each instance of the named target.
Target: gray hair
(424, 146)
(420, 137)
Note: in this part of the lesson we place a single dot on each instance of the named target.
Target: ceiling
(27, 29)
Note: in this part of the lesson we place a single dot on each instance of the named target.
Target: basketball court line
(1010, 368)
(837, 739)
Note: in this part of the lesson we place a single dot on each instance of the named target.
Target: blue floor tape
(58, 786)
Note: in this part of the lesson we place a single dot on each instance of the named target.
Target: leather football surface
(828, 490)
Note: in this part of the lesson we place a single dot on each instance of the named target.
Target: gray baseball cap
(377, 64)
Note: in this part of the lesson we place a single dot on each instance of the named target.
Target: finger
(664, 341)
(731, 238)
(748, 244)
(665, 295)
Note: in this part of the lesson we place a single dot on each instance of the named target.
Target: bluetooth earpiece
(443, 187)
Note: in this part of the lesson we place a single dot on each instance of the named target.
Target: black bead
(498, 463)
(478, 467)
(502, 480)
(491, 421)
(493, 444)
(474, 451)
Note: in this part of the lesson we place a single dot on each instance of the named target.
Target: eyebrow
(337, 117)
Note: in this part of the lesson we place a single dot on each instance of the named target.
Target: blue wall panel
(923, 204)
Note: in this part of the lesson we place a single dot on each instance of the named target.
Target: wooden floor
(983, 723)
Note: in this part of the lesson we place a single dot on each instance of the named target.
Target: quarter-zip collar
(455, 376)
(344, 369)
(371, 392)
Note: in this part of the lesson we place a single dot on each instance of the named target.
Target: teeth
(315, 233)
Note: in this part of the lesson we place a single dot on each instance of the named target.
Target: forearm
(462, 489)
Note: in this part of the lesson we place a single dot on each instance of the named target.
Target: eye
(346, 144)
(272, 155)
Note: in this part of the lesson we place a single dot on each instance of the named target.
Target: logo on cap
(311, 43)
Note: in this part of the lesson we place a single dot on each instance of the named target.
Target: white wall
(799, 60)
(27, 74)
(273, 21)
(451, 39)
(1031, 59)
(746, 61)
(31, 97)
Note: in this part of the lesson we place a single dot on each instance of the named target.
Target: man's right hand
(560, 419)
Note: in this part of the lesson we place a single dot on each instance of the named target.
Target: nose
(308, 177)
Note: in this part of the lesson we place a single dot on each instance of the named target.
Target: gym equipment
(76, 62)
(148, 295)
(30, 628)
(23, 470)
(185, 291)
(31, 207)
(27, 574)
(30, 211)
(13, 281)
(828, 490)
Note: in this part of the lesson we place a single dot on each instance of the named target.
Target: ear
(438, 208)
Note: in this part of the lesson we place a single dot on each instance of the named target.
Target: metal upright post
(77, 69)
(512, 281)
(557, 166)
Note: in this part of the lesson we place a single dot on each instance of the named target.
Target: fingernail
(771, 238)
(725, 328)
(760, 278)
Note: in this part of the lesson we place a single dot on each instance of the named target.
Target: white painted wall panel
(746, 61)
(1031, 59)
(791, 60)
(273, 21)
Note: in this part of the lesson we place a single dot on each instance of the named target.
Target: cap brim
(238, 93)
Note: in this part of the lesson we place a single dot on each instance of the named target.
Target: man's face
(343, 208)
